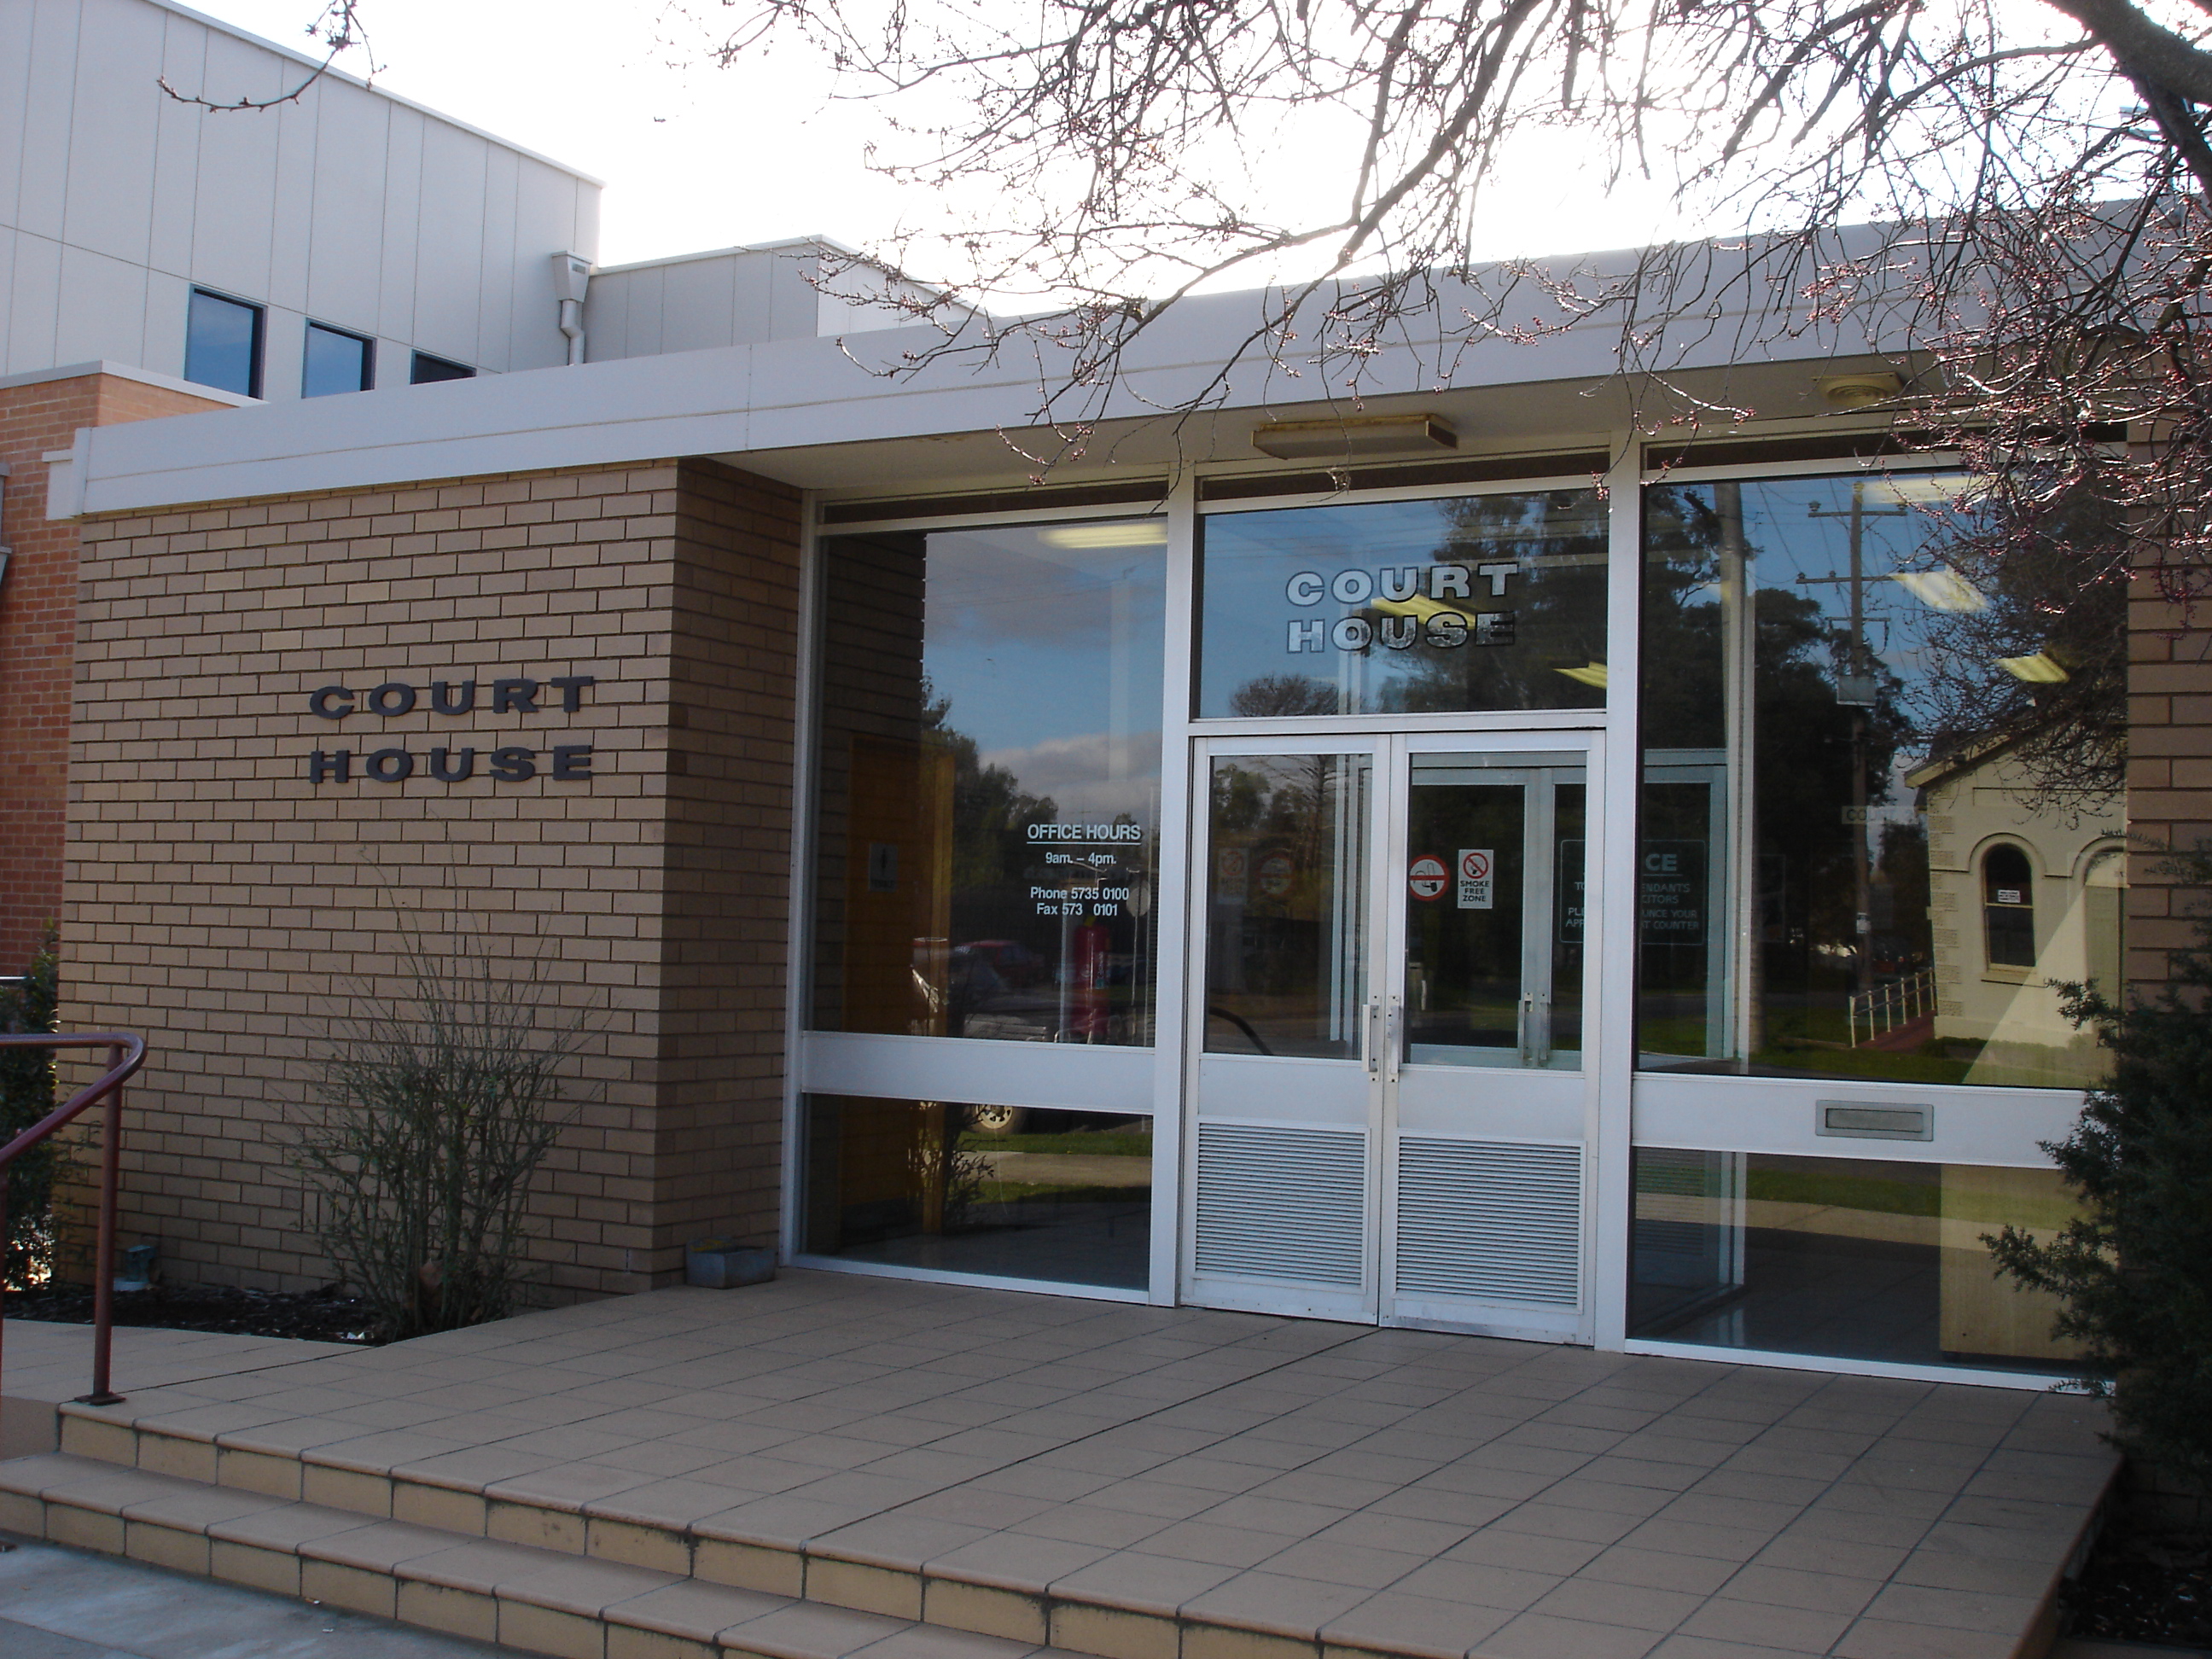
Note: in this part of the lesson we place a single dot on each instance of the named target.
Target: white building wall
(349, 207)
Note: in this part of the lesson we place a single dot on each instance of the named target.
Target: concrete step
(1015, 1601)
(546, 1600)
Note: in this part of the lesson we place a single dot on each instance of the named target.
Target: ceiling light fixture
(1858, 390)
(1128, 532)
(1592, 674)
(2041, 669)
(1353, 436)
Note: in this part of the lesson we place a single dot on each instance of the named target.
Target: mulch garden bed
(315, 1315)
(2144, 1584)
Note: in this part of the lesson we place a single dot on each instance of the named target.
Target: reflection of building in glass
(2023, 892)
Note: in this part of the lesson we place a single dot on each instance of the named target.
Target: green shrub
(2135, 1269)
(26, 1094)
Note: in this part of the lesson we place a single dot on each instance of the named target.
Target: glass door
(1387, 1088)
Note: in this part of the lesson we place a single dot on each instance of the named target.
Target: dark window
(336, 361)
(2009, 906)
(428, 369)
(222, 343)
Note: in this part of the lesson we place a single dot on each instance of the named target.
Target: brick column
(38, 627)
(238, 909)
(2169, 774)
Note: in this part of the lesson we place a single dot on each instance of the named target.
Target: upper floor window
(222, 343)
(2009, 906)
(428, 369)
(336, 361)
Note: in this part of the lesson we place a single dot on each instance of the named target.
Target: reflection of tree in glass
(2045, 587)
(991, 811)
(1278, 695)
(1558, 608)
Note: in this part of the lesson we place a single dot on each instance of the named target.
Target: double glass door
(1389, 1099)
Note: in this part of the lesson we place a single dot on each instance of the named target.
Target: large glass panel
(1494, 914)
(989, 766)
(1845, 1258)
(1881, 801)
(1009, 1191)
(222, 343)
(1485, 602)
(1287, 933)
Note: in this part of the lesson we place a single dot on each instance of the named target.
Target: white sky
(695, 157)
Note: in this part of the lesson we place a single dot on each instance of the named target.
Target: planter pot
(722, 1264)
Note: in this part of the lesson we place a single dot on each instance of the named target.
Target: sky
(696, 157)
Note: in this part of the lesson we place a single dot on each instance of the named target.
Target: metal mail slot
(1862, 1121)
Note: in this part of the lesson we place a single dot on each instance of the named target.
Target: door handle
(1371, 1048)
(1524, 1028)
(1393, 1039)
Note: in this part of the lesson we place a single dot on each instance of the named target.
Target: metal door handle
(1525, 1018)
(1393, 1038)
(1370, 1049)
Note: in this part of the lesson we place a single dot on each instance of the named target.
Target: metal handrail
(126, 1052)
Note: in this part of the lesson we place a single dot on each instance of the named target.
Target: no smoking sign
(1426, 877)
(1475, 879)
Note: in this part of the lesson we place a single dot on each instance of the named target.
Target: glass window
(1845, 1258)
(427, 369)
(1285, 964)
(222, 343)
(1487, 602)
(988, 773)
(1012, 1192)
(335, 362)
(1857, 718)
(2009, 906)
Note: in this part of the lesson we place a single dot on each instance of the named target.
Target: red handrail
(126, 1052)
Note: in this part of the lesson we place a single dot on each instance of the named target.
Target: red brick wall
(38, 627)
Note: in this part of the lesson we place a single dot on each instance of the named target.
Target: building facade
(1523, 881)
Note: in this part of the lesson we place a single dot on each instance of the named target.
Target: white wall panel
(449, 249)
(16, 35)
(34, 300)
(43, 194)
(345, 258)
(403, 223)
(292, 213)
(177, 159)
(102, 310)
(506, 273)
(115, 114)
(701, 302)
(234, 210)
(167, 296)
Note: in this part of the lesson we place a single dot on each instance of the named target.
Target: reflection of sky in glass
(1047, 641)
(1802, 528)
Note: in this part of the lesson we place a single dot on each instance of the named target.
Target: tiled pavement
(1175, 1472)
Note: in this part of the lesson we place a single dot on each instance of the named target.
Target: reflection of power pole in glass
(1856, 688)
(1739, 831)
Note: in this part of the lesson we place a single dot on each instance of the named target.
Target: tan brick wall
(38, 624)
(2169, 773)
(233, 910)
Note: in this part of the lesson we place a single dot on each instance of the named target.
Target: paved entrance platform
(892, 1468)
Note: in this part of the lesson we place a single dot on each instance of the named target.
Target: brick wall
(2169, 774)
(38, 624)
(235, 910)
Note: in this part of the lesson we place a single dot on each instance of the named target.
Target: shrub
(2135, 1269)
(26, 1094)
(432, 1112)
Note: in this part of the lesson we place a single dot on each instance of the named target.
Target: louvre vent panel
(1491, 1221)
(1282, 1204)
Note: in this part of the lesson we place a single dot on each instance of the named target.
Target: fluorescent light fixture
(1940, 589)
(2041, 669)
(1351, 437)
(1592, 674)
(1126, 532)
